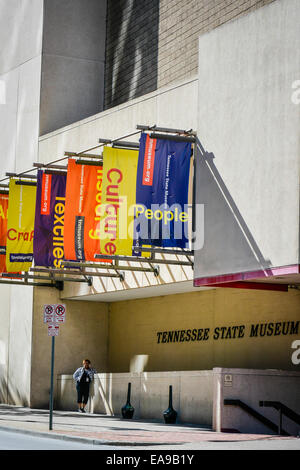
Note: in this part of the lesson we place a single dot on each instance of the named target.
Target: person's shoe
(82, 410)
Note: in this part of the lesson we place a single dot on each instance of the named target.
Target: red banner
(82, 211)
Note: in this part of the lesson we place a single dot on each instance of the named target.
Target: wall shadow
(131, 50)
(229, 246)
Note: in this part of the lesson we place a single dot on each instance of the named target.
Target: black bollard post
(170, 414)
(128, 410)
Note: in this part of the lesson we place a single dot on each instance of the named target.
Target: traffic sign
(60, 313)
(54, 314)
(48, 313)
(53, 330)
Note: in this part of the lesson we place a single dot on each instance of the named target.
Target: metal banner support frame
(85, 157)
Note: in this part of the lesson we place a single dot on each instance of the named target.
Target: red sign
(46, 194)
(149, 159)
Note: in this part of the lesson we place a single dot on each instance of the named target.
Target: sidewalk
(106, 430)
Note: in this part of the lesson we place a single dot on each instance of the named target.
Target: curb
(84, 440)
(64, 437)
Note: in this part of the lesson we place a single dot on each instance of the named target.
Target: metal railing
(283, 409)
(274, 427)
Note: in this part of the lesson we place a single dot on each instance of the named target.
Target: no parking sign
(60, 313)
(48, 313)
(54, 315)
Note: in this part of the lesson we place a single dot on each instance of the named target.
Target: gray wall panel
(21, 25)
(72, 90)
(75, 28)
(246, 117)
(72, 84)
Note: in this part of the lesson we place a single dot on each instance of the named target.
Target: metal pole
(143, 260)
(51, 384)
(75, 154)
(165, 129)
(33, 284)
(165, 251)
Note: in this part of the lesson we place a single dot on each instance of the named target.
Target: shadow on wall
(11, 394)
(229, 246)
(3, 385)
(16, 396)
(131, 50)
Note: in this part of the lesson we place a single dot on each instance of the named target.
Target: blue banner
(161, 212)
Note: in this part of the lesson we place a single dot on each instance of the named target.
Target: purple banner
(48, 246)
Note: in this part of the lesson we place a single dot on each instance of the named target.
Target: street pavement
(10, 440)
(102, 432)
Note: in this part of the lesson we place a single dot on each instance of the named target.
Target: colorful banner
(3, 230)
(82, 211)
(48, 240)
(20, 226)
(118, 200)
(162, 193)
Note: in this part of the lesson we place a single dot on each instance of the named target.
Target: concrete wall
(173, 106)
(19, 346)
(4, 341)
(181, 24)
(121, 338)
(21, 23)
(252, 386)
(152, 44)
(198, 396)
(70, 36)
(134, 327)
(15, 344)
(192, 394)
(72, 86)
(246, 118)
(84, 335)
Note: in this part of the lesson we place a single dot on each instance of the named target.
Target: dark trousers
(82, 392)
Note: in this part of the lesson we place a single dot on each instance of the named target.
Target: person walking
(83, 377)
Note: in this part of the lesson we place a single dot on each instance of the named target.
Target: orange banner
(82, 211)
(3, 230)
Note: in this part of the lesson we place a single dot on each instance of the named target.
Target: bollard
(170, 414)
(128, 410)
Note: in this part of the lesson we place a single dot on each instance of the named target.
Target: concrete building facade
(214, 67)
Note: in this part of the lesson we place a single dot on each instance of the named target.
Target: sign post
(54, 315)
(51, 384)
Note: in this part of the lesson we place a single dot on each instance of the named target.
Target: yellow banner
(118, 201)
(20, 226)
